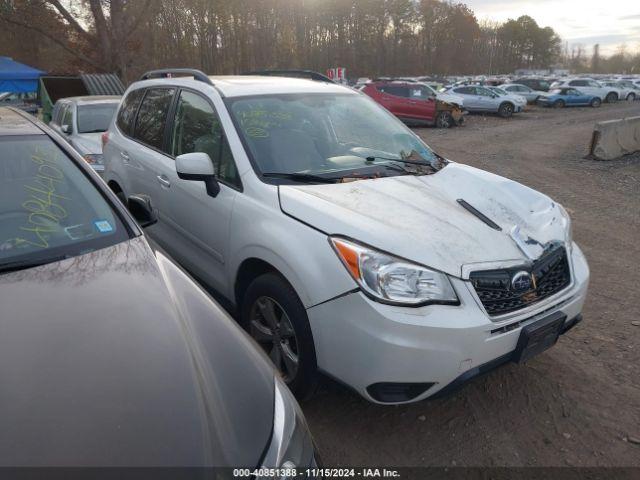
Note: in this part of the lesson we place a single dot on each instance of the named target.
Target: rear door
(196, 224)
(471, 100)
(395, 98)
(141, 154)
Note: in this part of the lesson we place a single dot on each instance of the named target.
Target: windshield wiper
(301, 177)
(97, 130)
(30, 263)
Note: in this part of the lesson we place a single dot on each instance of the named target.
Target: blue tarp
(17, 77)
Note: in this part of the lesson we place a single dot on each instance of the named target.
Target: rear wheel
(558, 104)
(444, 120)
(505, 110)
(595, 102)
(274, 316)
(611, 97)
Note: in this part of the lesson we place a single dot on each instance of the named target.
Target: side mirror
(197, 166)
(140, 207)
(66, 129)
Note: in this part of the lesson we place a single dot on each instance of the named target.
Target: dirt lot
(577, 404)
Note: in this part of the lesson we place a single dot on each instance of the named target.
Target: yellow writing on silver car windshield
(43, 203)
(257, 123)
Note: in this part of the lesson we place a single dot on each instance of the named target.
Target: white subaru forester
(347, 245)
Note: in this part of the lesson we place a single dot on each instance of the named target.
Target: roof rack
(178, 72)
(308, 74)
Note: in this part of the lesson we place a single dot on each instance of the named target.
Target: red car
(413, 103)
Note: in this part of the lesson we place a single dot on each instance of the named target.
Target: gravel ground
(577, 404)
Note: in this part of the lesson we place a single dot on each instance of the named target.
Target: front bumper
(365, 344)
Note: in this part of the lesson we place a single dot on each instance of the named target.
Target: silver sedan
(522, 90)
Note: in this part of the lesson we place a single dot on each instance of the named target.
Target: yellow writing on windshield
(43, 202)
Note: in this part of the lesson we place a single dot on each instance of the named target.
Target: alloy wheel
(271, 327)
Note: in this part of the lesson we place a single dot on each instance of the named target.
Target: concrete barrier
(615, 138)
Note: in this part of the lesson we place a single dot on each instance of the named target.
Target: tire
(631, 97)
(506, 110)
(611, 97)
(444, 120)
(595, 102)
(558, 104)
(293, 340)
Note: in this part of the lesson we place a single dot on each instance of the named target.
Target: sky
(610, 23)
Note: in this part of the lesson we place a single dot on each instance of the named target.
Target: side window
(396, 91)
(128, 110)
(466, 90)
(152, 117)
(67, 119)
(197, 128)
(55, 114)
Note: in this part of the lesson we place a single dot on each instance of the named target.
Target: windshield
(325, 134)
(95, 118)
(48, 208)
(556, 91)
(499, 91)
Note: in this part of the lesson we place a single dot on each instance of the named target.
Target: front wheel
(274, 316)
(595, 103)
(558, 104)
(631, 97)
(505, 110)
(444, 120)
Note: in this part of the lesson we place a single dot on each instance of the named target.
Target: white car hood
(419, 218)
(87, 143)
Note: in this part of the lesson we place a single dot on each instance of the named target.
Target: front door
(198, 223)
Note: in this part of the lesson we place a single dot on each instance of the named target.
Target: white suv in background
(347, 245)
(590, 87)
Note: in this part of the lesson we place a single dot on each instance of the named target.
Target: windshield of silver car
(309, 137)
(49, 209)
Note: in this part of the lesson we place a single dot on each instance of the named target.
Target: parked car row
(345, 244)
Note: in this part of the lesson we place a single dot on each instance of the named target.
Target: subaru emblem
(521, 281)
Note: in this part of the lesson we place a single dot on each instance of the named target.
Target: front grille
(549, 275)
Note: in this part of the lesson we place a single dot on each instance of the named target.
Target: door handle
(164, 181)
(125, 157)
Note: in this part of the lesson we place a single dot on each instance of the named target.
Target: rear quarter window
(152, 117)
(127, 113)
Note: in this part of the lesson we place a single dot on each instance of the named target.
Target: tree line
(368, 37)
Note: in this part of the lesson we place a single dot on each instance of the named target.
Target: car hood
(87, 143)
(116, 358)
(419, 217)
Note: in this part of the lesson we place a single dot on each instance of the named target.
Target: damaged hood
(419, 217)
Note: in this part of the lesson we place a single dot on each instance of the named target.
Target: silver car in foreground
(82, 121)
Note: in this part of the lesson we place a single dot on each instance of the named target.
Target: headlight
(93, 158)
(291, 444)
(392, 280)
(568, 235)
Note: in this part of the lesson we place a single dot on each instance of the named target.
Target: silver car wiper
(301, 177)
